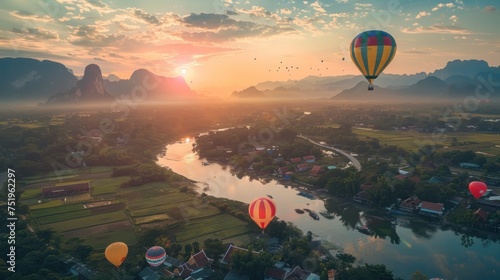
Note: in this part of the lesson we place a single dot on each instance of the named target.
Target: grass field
(220, 226)
(64, 216)
(107, 185)
(412, 141)
(101, 240)
(49, 204)
(47, 211)
(33, 193)
(83, 222)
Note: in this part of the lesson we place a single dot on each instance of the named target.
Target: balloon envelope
(477, 188)
(116, 253)
(372, 51)
(262, 211)
(156, 255)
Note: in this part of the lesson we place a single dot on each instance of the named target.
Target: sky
(226, 45)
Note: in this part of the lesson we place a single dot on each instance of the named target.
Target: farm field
(100, 221)
(412, 141)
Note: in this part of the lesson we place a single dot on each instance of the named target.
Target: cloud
(36, 33)
(25, 15)
(243, 30)
(360, 6)
(438, 29)
(442, 5)
(149, 18)
(454, 18)
(317, 7)
(460, 37)
(489, 8)
(97, 3)
(285, 11)
(231, 13)
(259, 12)
(423, 14)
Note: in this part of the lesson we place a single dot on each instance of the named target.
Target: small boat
(299, 211)
(314, 215)
(205, 163)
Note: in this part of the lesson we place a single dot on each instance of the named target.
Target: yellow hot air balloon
(372, 51)
(116, 253)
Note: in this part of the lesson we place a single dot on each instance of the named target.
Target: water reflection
(407, 247)
(348, 214)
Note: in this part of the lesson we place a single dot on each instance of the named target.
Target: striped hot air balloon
(156, 255)
(262, 210)
(371, 51)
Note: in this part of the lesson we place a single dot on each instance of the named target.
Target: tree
(214, 248)
(417, 275)
(188, 249)
(83, 252)
(196, 246)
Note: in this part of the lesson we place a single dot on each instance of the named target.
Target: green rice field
(412, 141)
(87, 221)
(107, 185)
(144, 205)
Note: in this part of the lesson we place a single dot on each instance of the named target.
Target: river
(404, 249)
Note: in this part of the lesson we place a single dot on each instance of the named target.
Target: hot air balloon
(262, 211)
(372, 51)
(156, 255)
(116, 253)
(477, 188)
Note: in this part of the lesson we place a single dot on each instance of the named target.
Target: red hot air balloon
(477, 188)
(262, 210)
(156, 255)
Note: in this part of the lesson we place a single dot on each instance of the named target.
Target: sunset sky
(229, 44)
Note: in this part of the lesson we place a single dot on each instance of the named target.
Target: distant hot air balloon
(371, 51)
(477, 189)
(156, 255)
(116, 253)
(343, 58)
(262, 211)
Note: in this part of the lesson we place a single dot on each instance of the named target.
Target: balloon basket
(263, 235)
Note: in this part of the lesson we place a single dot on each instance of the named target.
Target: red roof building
(309, 159)
(295, 160)
(481, 214)
(431, 209)
(316, 170)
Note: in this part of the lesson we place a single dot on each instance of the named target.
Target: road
(354, 161)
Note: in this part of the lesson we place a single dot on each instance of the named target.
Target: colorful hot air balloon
(371, 51)
(262, 210)
(116, 253)
(156, 255)
(477, 189)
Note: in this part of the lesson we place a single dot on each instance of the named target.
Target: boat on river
(299, 211)
(304, 194)
(314, 215)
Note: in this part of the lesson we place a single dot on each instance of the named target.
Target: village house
(302, 167)
(296, 160)
(431, 209)
(410, 204)
(316, 170)
(309, 159)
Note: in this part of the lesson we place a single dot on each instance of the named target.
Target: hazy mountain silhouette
(144, 85)
(26, 79)
(251, 92)
(428, 89)
(89, 89)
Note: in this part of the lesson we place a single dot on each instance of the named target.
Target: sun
(183, 71)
